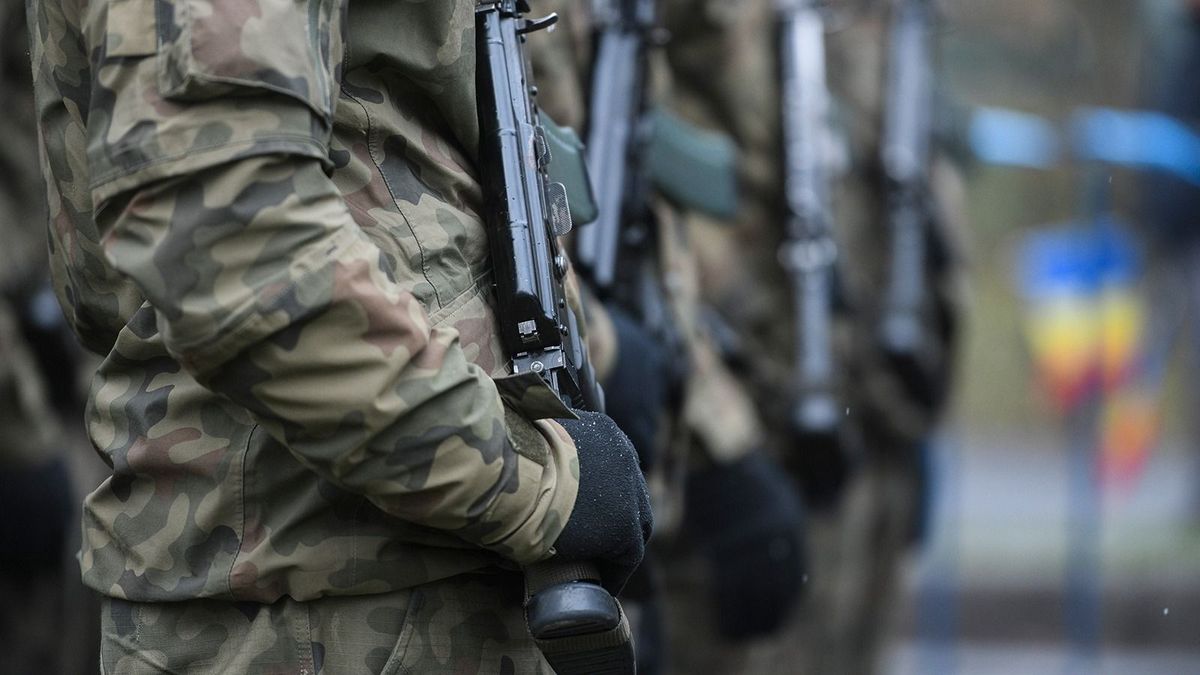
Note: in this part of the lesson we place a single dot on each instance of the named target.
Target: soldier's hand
(822, 464)
(637, 389)
(746, 517)
(611, 521)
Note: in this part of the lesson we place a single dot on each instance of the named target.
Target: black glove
(822, 464)
(611, 521)
(746, 517)
(637, 389)
(37, 508)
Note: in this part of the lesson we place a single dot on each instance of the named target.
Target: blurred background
(1065, 531)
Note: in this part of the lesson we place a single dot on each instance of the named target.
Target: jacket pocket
(214, 48)
(184, 85)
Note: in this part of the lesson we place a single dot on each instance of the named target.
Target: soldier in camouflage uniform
(727, 544)
(266, 217)
(47, 618)
(857, 541)
(885, 510)
(27, 433)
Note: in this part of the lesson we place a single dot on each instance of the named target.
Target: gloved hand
(822, 464)
(611, 521)
(636, 391)
(746, 518)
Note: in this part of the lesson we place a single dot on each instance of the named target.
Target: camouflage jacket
(266, 216)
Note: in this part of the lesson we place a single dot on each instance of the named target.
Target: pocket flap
(286, 46)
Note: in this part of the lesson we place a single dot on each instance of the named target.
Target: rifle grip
(579, 627)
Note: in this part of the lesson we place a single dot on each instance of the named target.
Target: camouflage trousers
(465, 624)
(693, 643)
(855, 554)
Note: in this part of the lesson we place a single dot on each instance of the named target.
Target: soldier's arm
(267, 291)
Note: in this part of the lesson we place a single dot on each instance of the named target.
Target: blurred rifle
(616, 137)
(577, 624)
(618, 253)
(809, 253)
(908, 130)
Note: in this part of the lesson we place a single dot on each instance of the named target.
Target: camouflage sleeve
(212, 198)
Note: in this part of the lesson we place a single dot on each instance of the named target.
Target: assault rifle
(905, 157)
(809, 253)
(577, 624)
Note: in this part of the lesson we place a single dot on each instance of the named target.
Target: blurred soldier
(48, 620)
(35, 497)
(885, 511)
(739, 274)
(856, 538)
(728, 545)
(266, 217)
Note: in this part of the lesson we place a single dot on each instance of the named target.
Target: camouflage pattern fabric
(871, 535)
(265, 216)
(468, 624)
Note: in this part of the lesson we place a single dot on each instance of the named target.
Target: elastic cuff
(543, 501)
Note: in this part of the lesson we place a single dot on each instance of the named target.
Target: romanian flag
(1085, 324)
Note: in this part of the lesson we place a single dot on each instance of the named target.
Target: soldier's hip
(468, 623)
